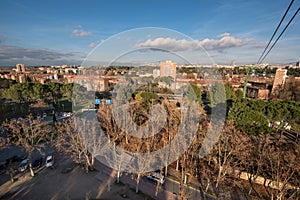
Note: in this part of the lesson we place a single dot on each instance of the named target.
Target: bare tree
(29, 134)
(281, 169)
(72, 143)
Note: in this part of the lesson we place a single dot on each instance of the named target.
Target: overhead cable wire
(280, 34)
(287, 10)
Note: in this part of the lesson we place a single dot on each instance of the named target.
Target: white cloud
(94, 44)
(80, 33)
(224, 41)
(225, 34)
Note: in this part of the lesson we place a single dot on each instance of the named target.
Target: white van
(49, 161)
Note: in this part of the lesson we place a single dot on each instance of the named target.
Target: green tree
(6, 83)
(146, 98)
(294, 117)
(25, 92)
(249, 116)
(67, 90)
(252, 122)
(194, 93)
(19, 92)
(38, 91)
(239, 94)
(230, 93)
(216, 94)
(13, 93)
(54, 91)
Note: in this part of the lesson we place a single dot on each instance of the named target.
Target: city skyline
(53, 33)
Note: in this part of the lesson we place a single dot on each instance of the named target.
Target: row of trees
(35, 91)
(258, 116)
(293, 72)
(259, 71)
(236, 70)
(272, 163)
(5, 84)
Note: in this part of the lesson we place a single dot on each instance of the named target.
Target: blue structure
(97, 101)
(108, 101)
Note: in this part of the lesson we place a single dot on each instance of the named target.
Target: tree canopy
(256, 116)
(36, 91)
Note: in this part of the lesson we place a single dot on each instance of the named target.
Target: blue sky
(54, 32)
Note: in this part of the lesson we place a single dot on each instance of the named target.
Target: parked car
(67, 114)
(49, 161)
(37, 163)
(15, 158)
(23, 165)
(156, 177)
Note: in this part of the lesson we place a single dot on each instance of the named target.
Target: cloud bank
(224, 41)
(15, 52)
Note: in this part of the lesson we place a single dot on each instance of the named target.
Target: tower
(20, 68)
(279, 80)
(168, 68)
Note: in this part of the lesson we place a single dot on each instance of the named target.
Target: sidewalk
(191, 186)
(149, 189)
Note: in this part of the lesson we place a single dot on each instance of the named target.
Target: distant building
(42, 81)
(20, 68)
(156, 73)
(70, 71)
(279, 80)
(103, 84)
(13, 77)
(7, 76)
(258, 88)
(257, 93)
(23, 68)
(22, 78)
(168, 68)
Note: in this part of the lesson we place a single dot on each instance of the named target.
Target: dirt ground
(68, 181)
